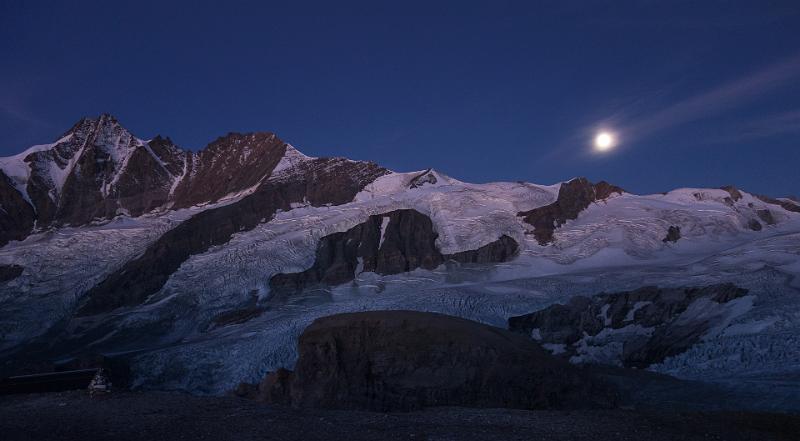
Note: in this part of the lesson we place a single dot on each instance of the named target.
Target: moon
(604, 141)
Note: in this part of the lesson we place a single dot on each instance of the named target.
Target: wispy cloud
(772, 125)
(716, 100)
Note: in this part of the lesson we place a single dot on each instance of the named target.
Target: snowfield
(614, 245)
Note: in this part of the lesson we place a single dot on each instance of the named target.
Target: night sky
(699, 93)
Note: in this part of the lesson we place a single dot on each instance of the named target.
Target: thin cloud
(717, 100)
(772, 125)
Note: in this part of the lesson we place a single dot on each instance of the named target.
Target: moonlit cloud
(772, 125)
(717, 100)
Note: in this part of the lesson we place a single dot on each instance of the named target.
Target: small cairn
(100, 384)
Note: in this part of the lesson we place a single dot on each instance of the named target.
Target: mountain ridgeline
(98, 172)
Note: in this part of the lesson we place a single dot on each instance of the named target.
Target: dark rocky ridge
(648, 307)
(16, 214)
(319, 182)
(786, 205)
(573, 197)
(405, 360)
(409, 242)
(230, 164)
(157, 174)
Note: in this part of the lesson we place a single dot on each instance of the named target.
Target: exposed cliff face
(573, 197)
(231, 164)
(635, 328)
(16, 214)
(390, 243)
(318, 182)
(404, 360)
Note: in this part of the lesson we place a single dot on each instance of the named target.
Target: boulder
(405, 360)
(673, 234)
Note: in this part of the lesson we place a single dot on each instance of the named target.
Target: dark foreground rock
(158, 416)
(404, 360)
(633, 328)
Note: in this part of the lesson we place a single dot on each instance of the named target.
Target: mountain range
(202, 268)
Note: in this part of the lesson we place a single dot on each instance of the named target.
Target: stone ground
(175, 416)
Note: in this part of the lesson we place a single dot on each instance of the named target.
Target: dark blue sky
(699, 93)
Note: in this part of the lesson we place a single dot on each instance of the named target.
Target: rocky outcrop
(754, 225)
(502, 250)
(734, 193)
(404, 360)
(10, 272)
(17, 217)
(634, 328)
(318, 182)
(390, 243)
(786, 204)
(573, 197)
(673, 234)
(427, 177)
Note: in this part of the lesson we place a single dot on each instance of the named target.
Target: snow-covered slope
(214, 321)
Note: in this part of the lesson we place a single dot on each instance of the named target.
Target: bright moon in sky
(604, 141)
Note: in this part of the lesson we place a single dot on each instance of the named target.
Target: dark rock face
(657, 314)
(673, 234)
(734, 192)
(320, 182)
(573, 197)
(408, 243)
(404, 360)
(97, 170)
(146, 181)
(502, 250)
(230, 164)
(424, 178)
(16, 214)
(754, 225)
(786, 205)
(10, 272)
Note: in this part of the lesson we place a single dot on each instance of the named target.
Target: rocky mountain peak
(98, 169)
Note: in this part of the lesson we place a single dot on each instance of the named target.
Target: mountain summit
(98, 170)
